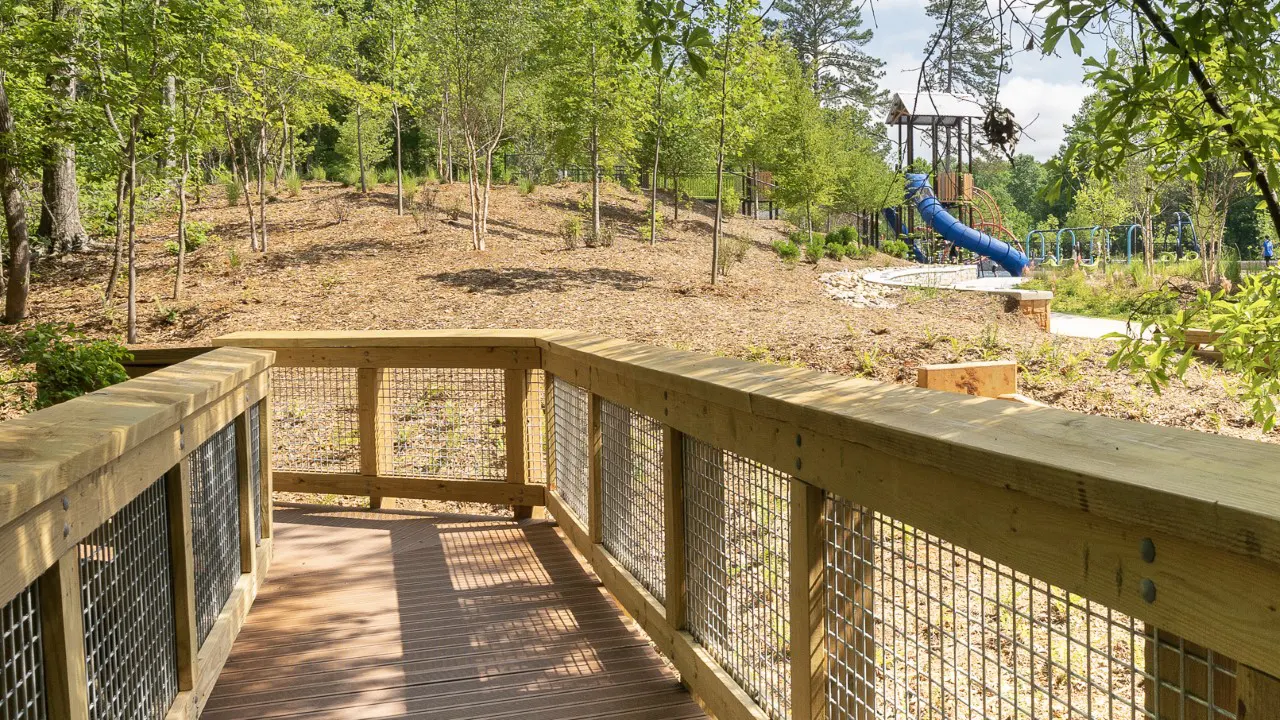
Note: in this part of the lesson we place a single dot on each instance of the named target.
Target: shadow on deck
(381, 614)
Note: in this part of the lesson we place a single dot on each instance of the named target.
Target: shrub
(571, 232)
(233, 258)
(340, 211)
(231, 186)
(65, 363)
(607, 233)
(350, 177)
(409, 184)
(835, 250)
(527, 185)
(787, 250)
(896, 248)
(293, 183)
(318, 173)
(814, 249)
(733, 250)
(198, 233)
(644, 229)
(432, 176)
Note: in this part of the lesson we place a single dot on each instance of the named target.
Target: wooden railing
(109, 504)
(939, 550)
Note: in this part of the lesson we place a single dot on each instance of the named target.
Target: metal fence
(21, 658)
(254, 422)
(631, 520)
(316, 427)
(737, 545)
(570, 444)
(443, 422)
(535, 435)
(127, 597)
(920, 628)
(215, 525)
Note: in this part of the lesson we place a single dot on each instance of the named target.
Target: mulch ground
(341, 260)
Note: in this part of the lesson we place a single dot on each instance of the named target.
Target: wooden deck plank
(396, 614)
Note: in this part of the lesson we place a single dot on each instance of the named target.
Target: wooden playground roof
(928, 108)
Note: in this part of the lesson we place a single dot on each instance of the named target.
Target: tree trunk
(240, 171)
(60, 224)
(718, 224)
(169, 99)
(117, 256)
(675, 197)
(595, 145)
(364, 186)
(131, 333)
(182, 224)
(488, 184)
(657, 149)
(395, 115)
(262, 190)
(444, 99)
(15, 216)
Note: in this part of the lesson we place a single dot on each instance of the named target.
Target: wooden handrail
(67, 470)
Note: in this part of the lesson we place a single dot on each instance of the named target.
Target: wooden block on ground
(985, 379)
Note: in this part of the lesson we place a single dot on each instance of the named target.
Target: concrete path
(1082, 326)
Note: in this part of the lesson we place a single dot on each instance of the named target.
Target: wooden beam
(44, 453)
(1259, 694)
(178, 498)
(985, 379)
(901, 449)
(524, 358)
(517, 419)
(148, 360)
(595, 495)
(31, 543)
(413, 488)
(264, 458)
(66, 682)
(244, 492)
(808, 604)
(673, 519)
(368, 385)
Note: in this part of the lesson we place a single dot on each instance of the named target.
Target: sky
(1042, 92)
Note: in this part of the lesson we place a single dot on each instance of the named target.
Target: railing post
(517, 419)
(244, 458)
(594, 495)
(808, 604)
(368, 381)
(673, 517)
(178, 496)
(62, 630)
(264, 458)
(1259, 694)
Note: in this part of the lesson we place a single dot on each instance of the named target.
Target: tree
(828, 38)
(668, 33)
(804, 158)
(60, 225)
(966, 52)
(590, 84)
(1098, 205)
(19, 266)
(1191, 81)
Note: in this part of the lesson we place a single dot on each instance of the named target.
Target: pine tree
(828, 38)
(967, 52)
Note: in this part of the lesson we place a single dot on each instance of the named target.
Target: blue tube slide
(953, 231)
(891, 215)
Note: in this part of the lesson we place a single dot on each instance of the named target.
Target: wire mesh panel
(738, 537)
(215, 525)
(255, 471)
(21, 658)
(920, 628)
(535, 436)
(444, 422)
(126, 590)
(570, 409)
(631, 490)
(316, 426)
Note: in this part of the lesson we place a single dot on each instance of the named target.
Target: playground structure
(1177, 240)
(964, 217)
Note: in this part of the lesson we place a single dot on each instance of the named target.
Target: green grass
(1116, 291)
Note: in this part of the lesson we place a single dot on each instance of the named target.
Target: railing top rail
(47, 452)
(1211, 489)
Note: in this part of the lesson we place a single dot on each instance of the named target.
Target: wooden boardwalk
(391, 614)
